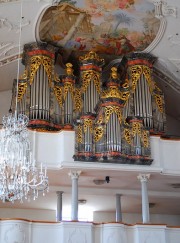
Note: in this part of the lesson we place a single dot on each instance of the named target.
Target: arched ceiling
(111, 28)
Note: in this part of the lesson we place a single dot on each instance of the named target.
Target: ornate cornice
(161, 10)
(166, 79)
(8, 1)
(168, 10)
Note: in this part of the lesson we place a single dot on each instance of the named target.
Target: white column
(145, 202)
(59, 206)
(74, 201)
(118, 208)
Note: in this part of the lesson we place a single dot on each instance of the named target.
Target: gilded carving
(88, 123)
(89, 76)
(79, 134)
(98, 133)
(126, 84)
(68, 86)
(114, 74)
(114, 92)
(69, 69)
(145, 139)
(110, 109)
(127, 135)
(91, 56)
(136, 129)
(58, 92)
(22, 86)
(136, 72)
(77, 100)
(36, 61)
(147, 74)
(159, 102)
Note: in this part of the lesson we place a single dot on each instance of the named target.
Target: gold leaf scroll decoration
(136, 72)
(22, 86)
(68, 86)
(36, 61)
(59, 94)
(98, 133)
(77, 100)
(88, 123)
(136, 129)
(145, 139)
(87, 77)
(147, 74)
(109, 110)
(127, 135)
(79, 134)
(159, 102)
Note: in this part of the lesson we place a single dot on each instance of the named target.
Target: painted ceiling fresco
(111, 27)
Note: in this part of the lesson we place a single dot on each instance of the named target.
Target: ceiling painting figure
(110, 27)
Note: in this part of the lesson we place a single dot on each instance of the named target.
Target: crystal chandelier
(19, 177)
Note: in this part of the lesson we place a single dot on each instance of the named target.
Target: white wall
(173, 126)
(30, 214)
(133, 218)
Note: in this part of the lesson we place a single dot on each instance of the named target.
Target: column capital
(74, 174)
(59, 193)
(143, 177)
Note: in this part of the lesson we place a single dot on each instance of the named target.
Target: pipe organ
(146, 99)
(90, 78)
(35, 85)
(112, 116)
(64, 90)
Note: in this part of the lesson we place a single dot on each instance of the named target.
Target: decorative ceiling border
(161, 10)
(9, 60)
(8, 1)
(166, 79)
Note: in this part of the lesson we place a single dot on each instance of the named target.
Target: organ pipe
(112, 117)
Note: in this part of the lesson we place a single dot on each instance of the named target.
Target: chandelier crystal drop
(19, 177)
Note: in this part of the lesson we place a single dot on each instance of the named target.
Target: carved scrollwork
(89, 76)
(110, 109)
(136, 129)
(127, 135)
(136, 72)
(68, 87)
(159, 102)
(77, 100)
(147, 74)
(114, 74)
(91, 56)
(22, 86)
(145, 139)
(98, 133)
(88, 123)
(36, 61)
(69, 69)
(114, 92)
(58, 91)
(79, 134)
